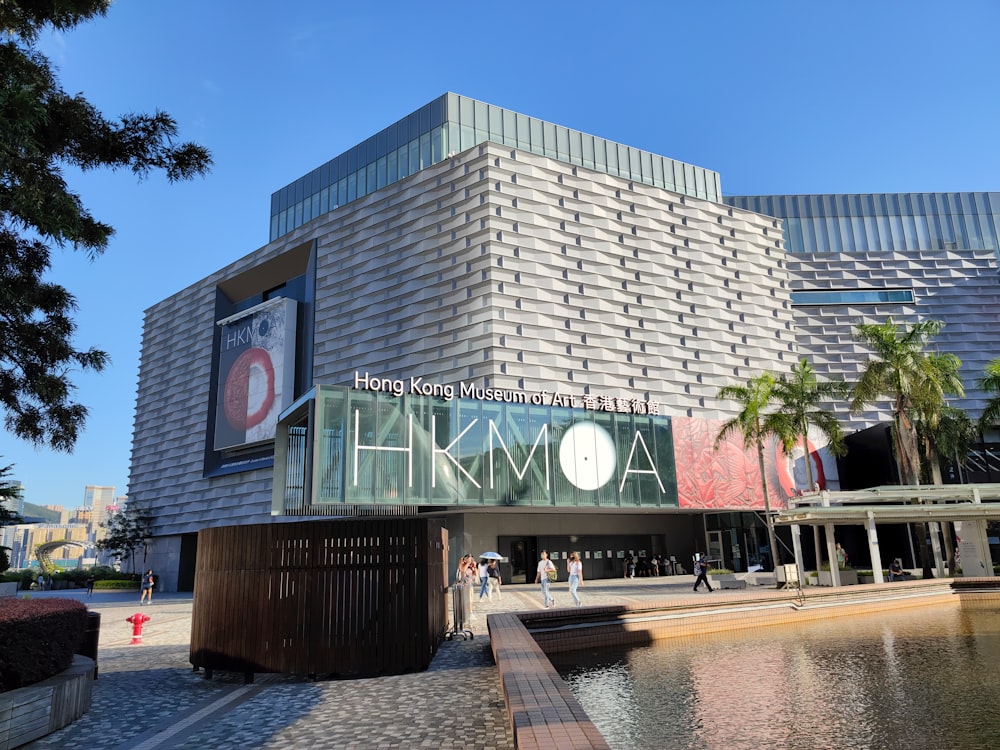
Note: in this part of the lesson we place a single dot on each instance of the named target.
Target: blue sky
(778, 97)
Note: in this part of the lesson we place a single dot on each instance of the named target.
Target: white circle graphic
(587, 456)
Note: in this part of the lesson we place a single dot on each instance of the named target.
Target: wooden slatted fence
(345, 597)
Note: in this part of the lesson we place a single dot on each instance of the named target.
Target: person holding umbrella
(493, 574)
(490, 574)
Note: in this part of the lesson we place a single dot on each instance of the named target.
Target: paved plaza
(148, 697)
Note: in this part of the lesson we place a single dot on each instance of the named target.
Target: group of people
(546, 574)
(485, 574)
(656, 565)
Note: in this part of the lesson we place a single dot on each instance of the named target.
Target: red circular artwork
(782, 463)
(237, 390)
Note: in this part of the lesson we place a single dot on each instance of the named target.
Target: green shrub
(718, 571)
(116, 584)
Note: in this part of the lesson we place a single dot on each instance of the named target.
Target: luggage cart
(461, 613)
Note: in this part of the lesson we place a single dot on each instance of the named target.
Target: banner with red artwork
(256, 373)
(728, 477)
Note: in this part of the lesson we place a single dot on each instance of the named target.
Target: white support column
(800, 568)
(873, 548)
(981, 534)
(985, 542)
(831, 553)
(934, 529)
(831, 543)
(974, 548)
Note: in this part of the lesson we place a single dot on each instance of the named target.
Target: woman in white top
(545, 566)
(575, 569)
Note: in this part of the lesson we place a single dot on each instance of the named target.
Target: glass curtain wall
(451, 124)
(882, 221)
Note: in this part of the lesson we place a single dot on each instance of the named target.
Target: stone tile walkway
(148, 698)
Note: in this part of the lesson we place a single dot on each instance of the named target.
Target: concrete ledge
(542, 711)
(40, 709)
(8, 588)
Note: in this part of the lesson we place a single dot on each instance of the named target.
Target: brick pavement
(148, 697)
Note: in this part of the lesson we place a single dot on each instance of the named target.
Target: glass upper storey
(453, 123)
(881, 221)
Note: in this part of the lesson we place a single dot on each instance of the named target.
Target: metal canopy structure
(859, 514)
(895, 504)
(900, 504)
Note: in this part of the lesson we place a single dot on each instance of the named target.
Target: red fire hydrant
(138, 620)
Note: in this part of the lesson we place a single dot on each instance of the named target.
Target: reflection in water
(922, 679)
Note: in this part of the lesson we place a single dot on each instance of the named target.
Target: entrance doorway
(518, 552)
(715, 553)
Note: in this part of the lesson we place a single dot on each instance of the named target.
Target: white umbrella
(491, 556)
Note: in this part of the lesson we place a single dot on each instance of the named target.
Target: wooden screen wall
(344, 597)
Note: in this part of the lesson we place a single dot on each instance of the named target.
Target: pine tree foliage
(9, 494)
(44, 130)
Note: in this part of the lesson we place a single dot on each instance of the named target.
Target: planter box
(8, 589)
(728, 581)
(40, 709)
(847, 578)
(866, 579)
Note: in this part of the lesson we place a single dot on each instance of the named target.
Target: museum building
(522, 328)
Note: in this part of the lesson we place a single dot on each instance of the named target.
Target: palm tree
(991, 384)
(799, 397)
(756, 423)
(901, 371)
(930, 407)
(953, 437)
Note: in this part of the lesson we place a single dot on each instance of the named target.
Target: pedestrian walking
(148, 582)
(574, 566)
(493, 573)
(841, 557)
(90, 584)
(484, 580)
(545, 575)
(701, 570)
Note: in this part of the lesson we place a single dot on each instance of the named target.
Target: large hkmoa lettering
(631, 469)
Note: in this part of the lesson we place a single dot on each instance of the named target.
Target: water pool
(923, 678)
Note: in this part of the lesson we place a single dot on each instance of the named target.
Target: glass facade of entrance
(352, 447)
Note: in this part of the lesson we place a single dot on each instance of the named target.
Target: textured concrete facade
(521, 271)
(540, 259)
(958, 287)
(495, 266)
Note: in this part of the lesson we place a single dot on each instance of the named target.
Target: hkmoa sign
(418, 442)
